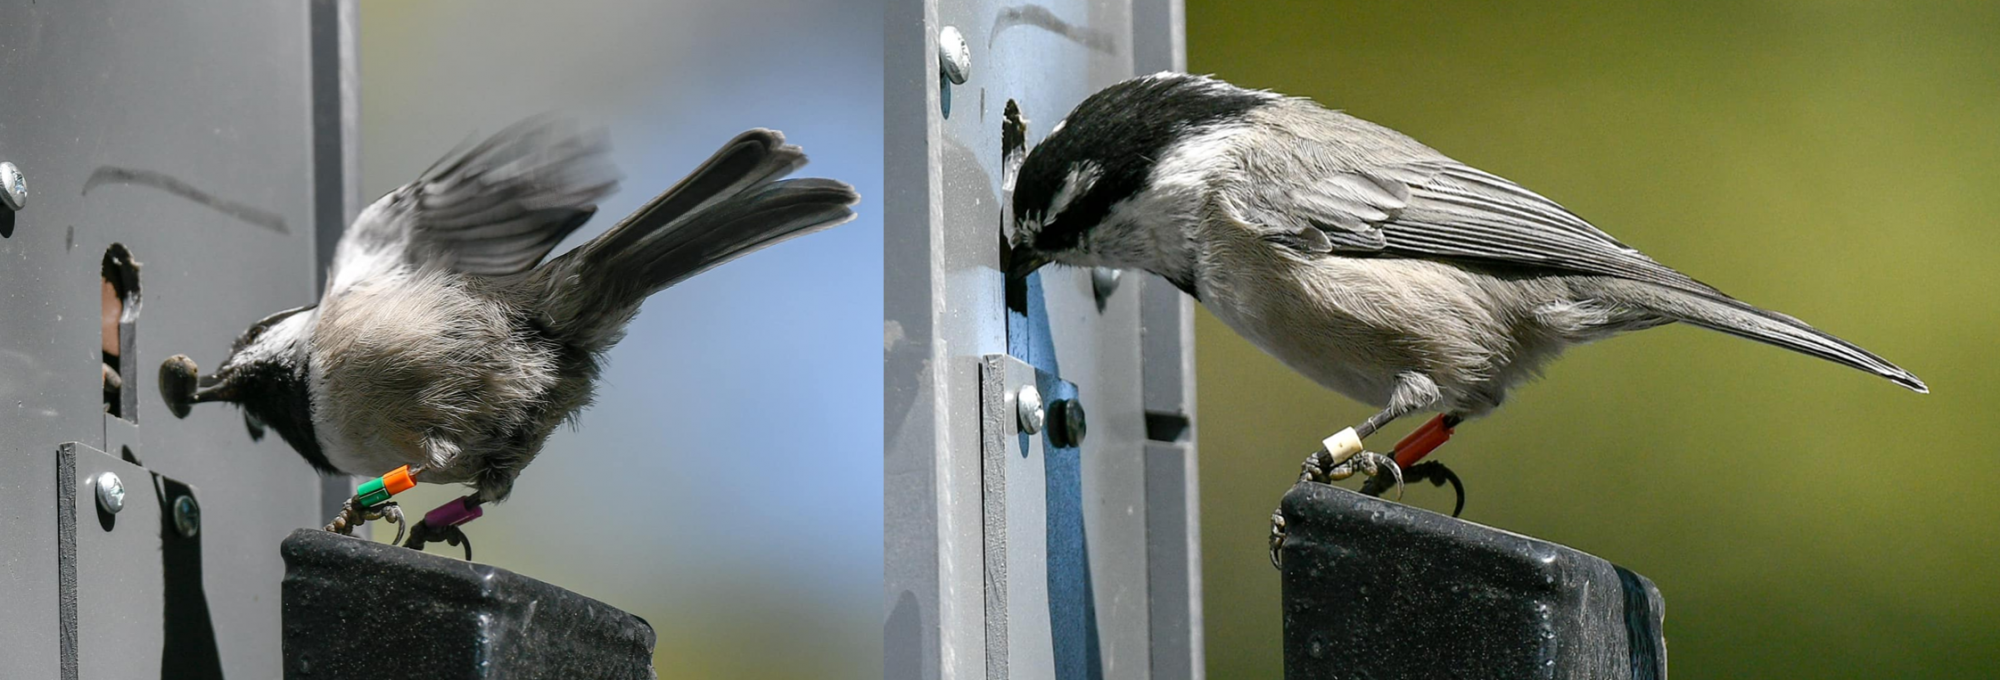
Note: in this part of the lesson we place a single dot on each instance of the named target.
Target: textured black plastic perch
(361, 609)
(1380, 590)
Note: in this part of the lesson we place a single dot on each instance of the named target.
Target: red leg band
(1422, 442)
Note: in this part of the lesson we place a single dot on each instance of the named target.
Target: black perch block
(360, 609)
(1380, 590)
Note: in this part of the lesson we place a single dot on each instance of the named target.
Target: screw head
(13, 186)
(187, 516)
(1028, 404)
(110, 493)
(954, 55)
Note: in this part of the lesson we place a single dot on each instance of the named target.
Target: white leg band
(1343, 445)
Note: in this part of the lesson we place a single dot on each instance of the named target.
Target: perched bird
(1357, 256)
(444, 343)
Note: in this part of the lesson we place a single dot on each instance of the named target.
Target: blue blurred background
(1838, 161)
(727, 486)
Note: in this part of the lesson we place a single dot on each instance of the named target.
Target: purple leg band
(453, 513)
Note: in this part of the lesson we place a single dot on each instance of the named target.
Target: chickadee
(444, 343)
(1364, 260)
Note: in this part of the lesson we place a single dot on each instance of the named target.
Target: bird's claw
(394, 513)
(424, 534)
(1278, 539)
(1428, 471)
(1319, 467)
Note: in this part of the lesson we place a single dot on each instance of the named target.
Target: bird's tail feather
(739, 224)
(1745, 321)
(733, 204)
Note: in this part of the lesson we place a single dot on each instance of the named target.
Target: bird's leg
(1413, 447)
(440, 525)
(371, 502)
(1339, 457)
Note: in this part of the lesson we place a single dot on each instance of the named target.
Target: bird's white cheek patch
(1082, 176)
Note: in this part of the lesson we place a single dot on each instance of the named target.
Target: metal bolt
(1028, 403)
(187, 516)
(110, 493)
(1104, 282)
(1066, 423)
(13, 186)
(954, 55)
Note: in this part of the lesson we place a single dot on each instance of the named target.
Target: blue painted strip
(1072, 601)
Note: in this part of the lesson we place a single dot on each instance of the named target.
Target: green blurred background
(1839, 161)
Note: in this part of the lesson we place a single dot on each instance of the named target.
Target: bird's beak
(215, 388)
(181, 389)
(1023, 260)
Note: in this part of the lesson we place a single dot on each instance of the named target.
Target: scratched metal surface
(195, 120)
(944, 299)
(1098, 605)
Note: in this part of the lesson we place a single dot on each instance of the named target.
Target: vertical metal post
(336, 111)
(1166, 318)
(941, 303)
(1109, 543)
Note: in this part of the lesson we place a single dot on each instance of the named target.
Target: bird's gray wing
(1439, 208)
(495, 208)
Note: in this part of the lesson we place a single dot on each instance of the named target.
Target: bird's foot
(1278, 538)
(349, 517)
(1430, 471)
(354, 514)
(425, 534)
(1319, 467)
(440, 525)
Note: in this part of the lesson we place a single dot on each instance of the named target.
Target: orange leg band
(1422, 442)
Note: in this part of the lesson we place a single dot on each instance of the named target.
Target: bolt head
(1066, 423)
(1105, 280)
(13, 187)
(954, 55)
(1028, 404)
(110, 493)
(1073, 421)
(187, 516)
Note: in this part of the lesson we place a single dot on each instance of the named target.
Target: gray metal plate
(118, 573)
(29, 582)
(1018, 641)
(216, 96)
(943, 297)
(944, 300)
